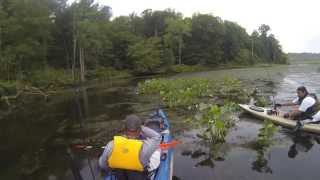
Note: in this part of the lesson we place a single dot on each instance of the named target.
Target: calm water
(36, 137)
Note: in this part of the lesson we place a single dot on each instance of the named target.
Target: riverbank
(59, 80)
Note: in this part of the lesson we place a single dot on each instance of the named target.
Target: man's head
(132, 126)
(302, 91)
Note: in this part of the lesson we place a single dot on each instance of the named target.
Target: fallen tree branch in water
(26, 90)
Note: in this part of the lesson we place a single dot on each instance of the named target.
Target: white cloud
(295, 23)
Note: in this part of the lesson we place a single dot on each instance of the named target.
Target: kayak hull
(261, 113)
(165, 170)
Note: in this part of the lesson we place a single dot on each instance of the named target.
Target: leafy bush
(50, 77)
(107, 73)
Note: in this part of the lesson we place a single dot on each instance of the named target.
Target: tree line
(83, 36)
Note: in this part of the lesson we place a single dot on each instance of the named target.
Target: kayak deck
(261, 113)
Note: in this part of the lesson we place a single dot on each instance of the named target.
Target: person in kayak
(308, 110)
(131, 156)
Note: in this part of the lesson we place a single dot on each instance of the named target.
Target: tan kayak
(261, 113)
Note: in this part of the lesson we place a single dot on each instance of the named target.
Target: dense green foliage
(81, 37)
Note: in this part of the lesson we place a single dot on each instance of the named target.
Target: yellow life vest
(125, 154)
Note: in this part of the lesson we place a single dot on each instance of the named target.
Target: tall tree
(154, 21)
(236, 39)
(25, 35)
(264, 29)
(205, 44)
(146, 55)
(122, 37)
(175, 32)
(88, 31)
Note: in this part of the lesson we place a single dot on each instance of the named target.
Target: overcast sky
(296, 23)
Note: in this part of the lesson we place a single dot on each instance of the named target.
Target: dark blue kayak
(164, 172)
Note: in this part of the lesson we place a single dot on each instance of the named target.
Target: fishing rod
(274, 105)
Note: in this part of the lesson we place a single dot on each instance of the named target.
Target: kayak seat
(256, 108)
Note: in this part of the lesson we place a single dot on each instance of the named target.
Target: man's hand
(286, 115)
(278, 105)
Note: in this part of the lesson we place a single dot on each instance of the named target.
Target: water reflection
(261, 163)
(208, 154)
(82, 104)
(302, 142)
(265, 140)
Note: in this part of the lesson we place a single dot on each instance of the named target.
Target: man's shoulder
(309, 99)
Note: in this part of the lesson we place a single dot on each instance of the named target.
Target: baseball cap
(133, 122)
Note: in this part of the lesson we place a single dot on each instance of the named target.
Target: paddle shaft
(162, 146)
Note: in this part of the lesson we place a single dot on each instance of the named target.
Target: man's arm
(293, 103)
(288, 104)
(150, 145)
(105, 156)
(294, 114)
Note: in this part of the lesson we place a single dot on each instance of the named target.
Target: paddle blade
(171, 144)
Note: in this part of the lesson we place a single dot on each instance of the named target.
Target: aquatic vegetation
(262, 145)
(196, 95)
(266, 134)
(186, 92)
(216, 120)
(187, 68)
(177, 92)
(230, 90)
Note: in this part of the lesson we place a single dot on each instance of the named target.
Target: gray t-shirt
(149, 146)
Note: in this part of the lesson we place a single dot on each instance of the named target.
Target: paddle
(162, 146)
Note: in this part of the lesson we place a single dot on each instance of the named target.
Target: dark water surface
(37, 137)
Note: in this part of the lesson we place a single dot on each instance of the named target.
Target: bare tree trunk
(0, 39)
(156, 31)
(8, 72)
(74, 34)
(74, 58)
(252, 48)
(67, 54)
(82, 65)
(85, 101)
(180, 51)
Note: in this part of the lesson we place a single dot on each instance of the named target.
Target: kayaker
(129, 157)
(308, 110)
